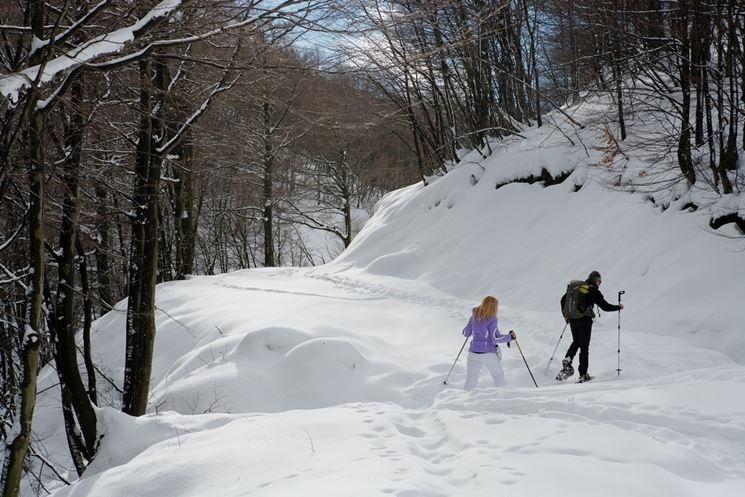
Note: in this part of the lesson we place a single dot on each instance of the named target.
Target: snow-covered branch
(12, 237)
(220, 87)
(14, 84)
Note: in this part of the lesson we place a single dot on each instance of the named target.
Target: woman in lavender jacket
(482, 327)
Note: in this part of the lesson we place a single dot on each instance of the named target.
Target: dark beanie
(593, 276)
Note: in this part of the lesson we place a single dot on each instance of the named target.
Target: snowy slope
(329, 381)
(524, 242)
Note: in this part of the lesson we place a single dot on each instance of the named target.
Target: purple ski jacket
(485, 333)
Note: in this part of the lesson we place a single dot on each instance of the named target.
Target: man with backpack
(576, 306)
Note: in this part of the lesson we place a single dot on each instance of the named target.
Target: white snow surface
(329, 381)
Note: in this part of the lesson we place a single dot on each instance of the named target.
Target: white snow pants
(473, 367)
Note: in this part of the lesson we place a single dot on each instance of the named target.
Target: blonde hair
(487, 308)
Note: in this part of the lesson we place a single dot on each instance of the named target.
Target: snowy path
(341, 394)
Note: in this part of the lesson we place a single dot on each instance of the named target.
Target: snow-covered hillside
(524, 242)
(329, 381)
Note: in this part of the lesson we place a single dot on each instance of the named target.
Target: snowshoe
(584, 378)
(566, 370)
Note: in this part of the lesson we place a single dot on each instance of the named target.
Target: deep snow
(328, 381)
(351, 392)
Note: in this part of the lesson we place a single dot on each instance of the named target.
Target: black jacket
(595, 298)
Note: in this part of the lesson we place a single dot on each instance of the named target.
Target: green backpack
(576, 304)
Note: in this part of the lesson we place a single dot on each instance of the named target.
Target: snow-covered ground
(329, 381)
(341, 392)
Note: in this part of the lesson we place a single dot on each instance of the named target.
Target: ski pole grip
(620, 293)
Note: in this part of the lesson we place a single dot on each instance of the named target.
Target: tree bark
(17, 448)
(90, 368)
(346, 193)
(103, 250)
(684, 61)
(65, 323)
(183, 211)
(728, 160)
(15, 451)
(618, 72)
(268, 188)
(144, 249)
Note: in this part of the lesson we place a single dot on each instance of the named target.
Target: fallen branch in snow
(312, 446)
(733, 217)
(191, 331)
(546, 177)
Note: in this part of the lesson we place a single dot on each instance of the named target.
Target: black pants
(581, 331)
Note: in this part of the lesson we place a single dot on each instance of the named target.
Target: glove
(512, 334)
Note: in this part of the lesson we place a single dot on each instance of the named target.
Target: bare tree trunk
(728, 160)
(90, 368)
(144, 251)
(450, 125)
(741, 36)
(710, 131)
(618, 72)
(65, 324)
(137, 323)
(619, 103)
(103, 250)
(531, 27)
(684, 61)
(184, 221)
(699, 49)
(346, 194)
(16, 449)
(268, 188)
(414, 126)
(165, 248)
(573, 48)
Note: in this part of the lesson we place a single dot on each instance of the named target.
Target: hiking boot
(566, 369)
(583, 378)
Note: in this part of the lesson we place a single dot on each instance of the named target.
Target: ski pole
(556, 348)
(526, 362)
(619, 332)
(456, 360)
